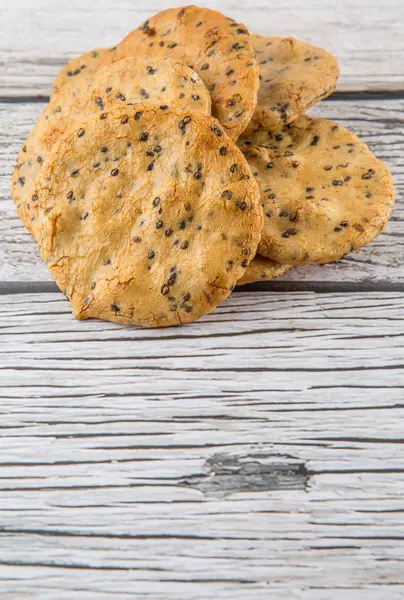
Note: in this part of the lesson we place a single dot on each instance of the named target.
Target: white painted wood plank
(381, 124)
(36, 39)
(150, 464)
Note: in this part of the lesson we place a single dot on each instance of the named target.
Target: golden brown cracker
(147, 216)
(323, 191)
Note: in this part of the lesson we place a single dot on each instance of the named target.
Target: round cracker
(293, 76)
(162, 81)
(149, 216)
(262, 269)
(78, 73)
(217, 47)
(323, 192)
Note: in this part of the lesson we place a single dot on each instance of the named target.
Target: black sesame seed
(279, 137)
(108, 89)
(104, 149)
(270, 165)
(186, 297)
(99, 102)
(344, 223)
(229, 265)
(96, 165)
(34, 198)
(172, 279)
(337, 183)
(74, 173)
(165, 289)
(241, 205)
(233, 168)
(124, 120)
(337, 228)
(184, 245)
(223, 151)
(295, 164)
(69, 195)
(327, 168)
(182, 225)
(197, 175)
(103, 116)
(143, 136)
(80, 132)
(137, 239)
(244, 263)
(115, 308)
(159, 224)
(156, 201)
(205, 67)
(137, 116)
(227, 194)
(84, 217)
(315, 140)
(107, 261)
(163, 107)
(216, 130)
(115, 172)
(151, 254)
(92, 286)
(150, 167)
(168, 232)
(188, 308)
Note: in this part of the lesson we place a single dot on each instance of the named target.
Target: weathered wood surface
(381, 124)
(256, 454)
(37, 38)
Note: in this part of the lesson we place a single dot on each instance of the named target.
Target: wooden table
(257, 454)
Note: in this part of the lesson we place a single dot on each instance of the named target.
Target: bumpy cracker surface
(129, 80)
(262, 269)
(323, 191)
(78, 72)
(147, 216)
(217, 47)
(293, 76)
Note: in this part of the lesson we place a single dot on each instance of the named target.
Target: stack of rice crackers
(180, 163)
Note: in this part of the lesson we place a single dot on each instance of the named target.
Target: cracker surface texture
(217, 47)
(130, 80)
(323, 191)
(294, 75)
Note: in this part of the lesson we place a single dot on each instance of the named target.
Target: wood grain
(256, 454)
(37, 39)
(381, 124)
